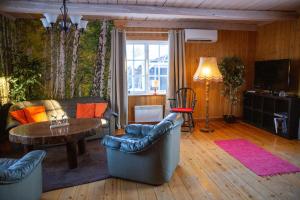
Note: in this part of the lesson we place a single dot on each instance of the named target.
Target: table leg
(81, 146)
(72, 154)
(27, 148)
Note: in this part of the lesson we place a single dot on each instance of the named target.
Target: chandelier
(50, 19)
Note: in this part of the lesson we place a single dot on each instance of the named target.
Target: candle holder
(56, 123)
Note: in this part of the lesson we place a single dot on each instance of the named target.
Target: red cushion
(181, 109)
(20, 116)
(86, 110)
(36, 114)
(100, 108)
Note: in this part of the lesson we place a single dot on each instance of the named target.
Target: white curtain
(119, 91)
(177, 71)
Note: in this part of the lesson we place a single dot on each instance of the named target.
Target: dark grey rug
(92, 166)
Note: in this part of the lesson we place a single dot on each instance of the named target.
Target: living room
(149, 99)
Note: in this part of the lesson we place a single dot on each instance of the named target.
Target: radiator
(149, 113)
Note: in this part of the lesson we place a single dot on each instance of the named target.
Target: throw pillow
(100, 108)
(36, 114)
(19, 115)
(86, 110)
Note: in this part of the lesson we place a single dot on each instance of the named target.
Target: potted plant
(232, 69)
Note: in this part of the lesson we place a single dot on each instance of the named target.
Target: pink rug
(258, 160)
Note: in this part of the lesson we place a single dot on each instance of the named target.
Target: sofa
(146, 153)
(22, 178)
(68, 106)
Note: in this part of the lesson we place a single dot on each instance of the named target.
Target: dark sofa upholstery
(58, 107)
(146, 153)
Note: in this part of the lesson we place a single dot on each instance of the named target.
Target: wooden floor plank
(205, 172)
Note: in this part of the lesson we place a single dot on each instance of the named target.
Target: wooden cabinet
(259, 110)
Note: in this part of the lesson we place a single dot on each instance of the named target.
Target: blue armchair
(22, 178)
(146, 153)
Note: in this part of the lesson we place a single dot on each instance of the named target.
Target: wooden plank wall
(272, 41)
(281, 40)
(238, 43)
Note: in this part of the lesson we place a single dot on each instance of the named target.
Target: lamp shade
(75, 19)
(51, 18)
(207, 70)
(45, 23)
(155, 83)
(82, 24)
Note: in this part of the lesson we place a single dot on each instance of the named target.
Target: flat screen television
(272, 75)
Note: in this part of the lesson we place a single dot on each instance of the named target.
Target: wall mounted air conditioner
(198, 35)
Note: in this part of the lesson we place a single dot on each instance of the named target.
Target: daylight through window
(147, 61)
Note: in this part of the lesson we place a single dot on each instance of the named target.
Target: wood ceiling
(246, 14)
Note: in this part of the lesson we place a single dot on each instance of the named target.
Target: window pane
(151, 78)
(129, 74)
(164, 50)
(163, 82)
(153, 52)
(142, 69)
(129, 51)
(139, 67)
(138, 83)
(163, 70)
(153, 69)
(139, 52)
(139, 76)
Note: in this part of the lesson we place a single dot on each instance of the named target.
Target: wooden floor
(205, 172)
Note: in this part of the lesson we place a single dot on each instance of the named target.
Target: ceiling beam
(183, 25)
(145, 11)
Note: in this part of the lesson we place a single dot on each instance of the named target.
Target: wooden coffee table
(73, 135)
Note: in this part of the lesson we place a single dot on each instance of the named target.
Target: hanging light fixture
(50, 19)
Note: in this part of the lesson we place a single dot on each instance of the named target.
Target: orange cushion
(19, 115)
(36, 114)
(86, 110)
(100, 108)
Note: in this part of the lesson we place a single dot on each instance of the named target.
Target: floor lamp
(207, 71)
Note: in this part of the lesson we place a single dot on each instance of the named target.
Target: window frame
(146, 44)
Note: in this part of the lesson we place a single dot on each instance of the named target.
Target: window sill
(150, 94)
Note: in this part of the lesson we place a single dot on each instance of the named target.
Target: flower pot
(229, 118)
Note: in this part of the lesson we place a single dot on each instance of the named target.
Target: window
(147, 61)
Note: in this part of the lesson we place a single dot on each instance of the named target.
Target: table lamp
(155, 85)
(207, 71)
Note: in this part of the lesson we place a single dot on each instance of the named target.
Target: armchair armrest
(23, 167)
(109, 113)
(111, 142)
(126, 145)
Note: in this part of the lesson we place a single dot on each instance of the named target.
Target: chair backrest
(185, 98)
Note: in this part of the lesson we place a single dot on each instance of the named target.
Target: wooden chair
(184, 103)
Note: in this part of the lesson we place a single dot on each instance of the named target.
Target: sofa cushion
(86, 110)
(138, 129)
(36, 114)
(19, 115)
(100, 109)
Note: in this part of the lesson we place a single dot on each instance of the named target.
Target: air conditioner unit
(197, 35)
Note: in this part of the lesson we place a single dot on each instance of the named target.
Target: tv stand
(259, 111)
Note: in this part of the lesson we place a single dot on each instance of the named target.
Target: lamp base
(207, 130)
